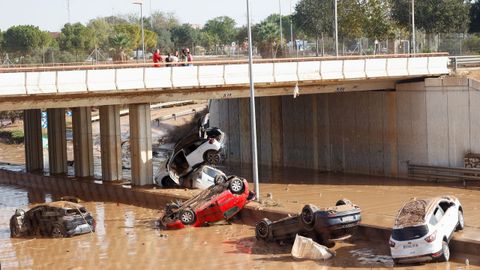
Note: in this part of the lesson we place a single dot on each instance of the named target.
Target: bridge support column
(57, 141)
(111, 142)
(82, 141)
(33, 140)
(141, 144)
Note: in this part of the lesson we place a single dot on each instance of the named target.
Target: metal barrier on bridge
(464, 61)
(441, 173)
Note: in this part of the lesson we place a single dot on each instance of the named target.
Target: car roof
(415, 211)
(64, 205)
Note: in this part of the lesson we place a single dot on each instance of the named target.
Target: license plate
(348, 218)
(410, 246)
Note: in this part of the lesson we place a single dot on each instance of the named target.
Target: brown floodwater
(127, 237)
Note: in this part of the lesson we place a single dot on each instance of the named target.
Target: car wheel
(212, 157)
(461, 221)
(14, 231)
(236, 185)
(187, 216)
(58, 231)
(220, 179)
(262, 230)
(167, 182)
(307, 215)
(396, 261)
(343, 202)
(445, 252)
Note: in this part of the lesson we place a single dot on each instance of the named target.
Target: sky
(51, 15)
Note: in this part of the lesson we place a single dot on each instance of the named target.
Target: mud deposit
(127, 238)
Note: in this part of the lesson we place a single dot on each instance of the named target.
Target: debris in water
(306, 248)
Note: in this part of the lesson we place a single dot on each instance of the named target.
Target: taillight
(210, 141)
(392, 244)
(431, 237)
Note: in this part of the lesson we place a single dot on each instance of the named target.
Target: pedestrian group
(175, 59)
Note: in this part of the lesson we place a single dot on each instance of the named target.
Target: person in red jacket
(157, 58)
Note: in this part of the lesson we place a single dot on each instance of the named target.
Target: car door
(450, 217)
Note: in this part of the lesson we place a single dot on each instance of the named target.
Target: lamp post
(140, 3)
(336, 28)
(253, 122)
(281, 24)
(413, 27)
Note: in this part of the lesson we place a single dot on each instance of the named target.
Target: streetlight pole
(336, 28)
(281, 25)
(140, 3)
(413, 27)
(291, 25)
(253, 122)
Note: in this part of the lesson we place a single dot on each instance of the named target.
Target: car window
(179, 163)
(410, 233)
(445, 206)
(438, 213)
(433, 220)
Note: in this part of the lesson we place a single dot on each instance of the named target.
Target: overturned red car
(221, 201)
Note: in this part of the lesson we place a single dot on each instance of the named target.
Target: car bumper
(419, 255)
(81, 229)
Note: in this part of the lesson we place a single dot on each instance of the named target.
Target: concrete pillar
(141, 144)
(110, 140)
(33, 140)
(57, 141)
(82, 141)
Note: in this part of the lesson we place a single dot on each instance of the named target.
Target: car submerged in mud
(192, 152)
(56, 219)
(323, 225)
(221, 201)
(423, 229)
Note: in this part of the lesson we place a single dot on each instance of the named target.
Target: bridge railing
(131, 77)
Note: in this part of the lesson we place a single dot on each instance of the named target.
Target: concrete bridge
(108, 86)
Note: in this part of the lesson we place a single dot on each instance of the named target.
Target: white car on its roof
(423, 229)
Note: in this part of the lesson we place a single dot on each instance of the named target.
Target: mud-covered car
(323, 225)
(193, 151)
(221, 201)
(423, 229)
(202, 177)
(55, 219)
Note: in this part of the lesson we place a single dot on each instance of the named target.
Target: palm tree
(119, 43)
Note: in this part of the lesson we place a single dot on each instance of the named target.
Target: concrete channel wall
(435, 122)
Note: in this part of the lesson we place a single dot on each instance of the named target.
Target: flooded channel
(127, 237)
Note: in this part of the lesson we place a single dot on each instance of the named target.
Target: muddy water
(127, 238)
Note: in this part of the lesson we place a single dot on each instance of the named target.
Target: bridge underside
(142, 96)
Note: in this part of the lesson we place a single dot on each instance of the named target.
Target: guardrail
(464, 61)
(440, 173)
(84, 80)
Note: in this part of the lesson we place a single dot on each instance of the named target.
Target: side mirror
(19, 212)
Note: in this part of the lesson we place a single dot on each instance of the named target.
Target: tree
(150, 40)
(433, 16)
(266, 36)
(184, 36)
(76, 38)
(25, 39)
(162, 24)
(475, 17)
(102, 30)
(314, 18)
(119, 43)
(222, 29)
(132, 31)
(351, 19)
(378, 24)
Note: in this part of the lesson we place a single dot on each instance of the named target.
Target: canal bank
(379, 202)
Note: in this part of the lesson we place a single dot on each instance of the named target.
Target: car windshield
(210, 171)
(71, 212)
(410, 233)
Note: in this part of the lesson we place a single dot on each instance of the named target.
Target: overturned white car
(423, 229)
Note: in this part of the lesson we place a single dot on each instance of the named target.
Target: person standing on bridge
(189, 58)
(157, 58)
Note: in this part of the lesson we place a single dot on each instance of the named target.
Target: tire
(14, 232)
(307, 216)
(57, 231)
(461, 221)
(212, 157)
(445, 252)
(167, 182)
(220, 179)
(262, 230)
(187, 216)
(236, 186)
(343, 202)
(396, 261)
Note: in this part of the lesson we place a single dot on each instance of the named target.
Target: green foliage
(184, 36)
(150, 39)
(351, 19)
(12, 136)
(314, 17)
(472, 44)
(266, 36)
(475, 17)
(378, 23)
(24, 39)
(132, 32)
(101, 30)
(76, 38)
(433, 16)
(221, 29)
(119, 43)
